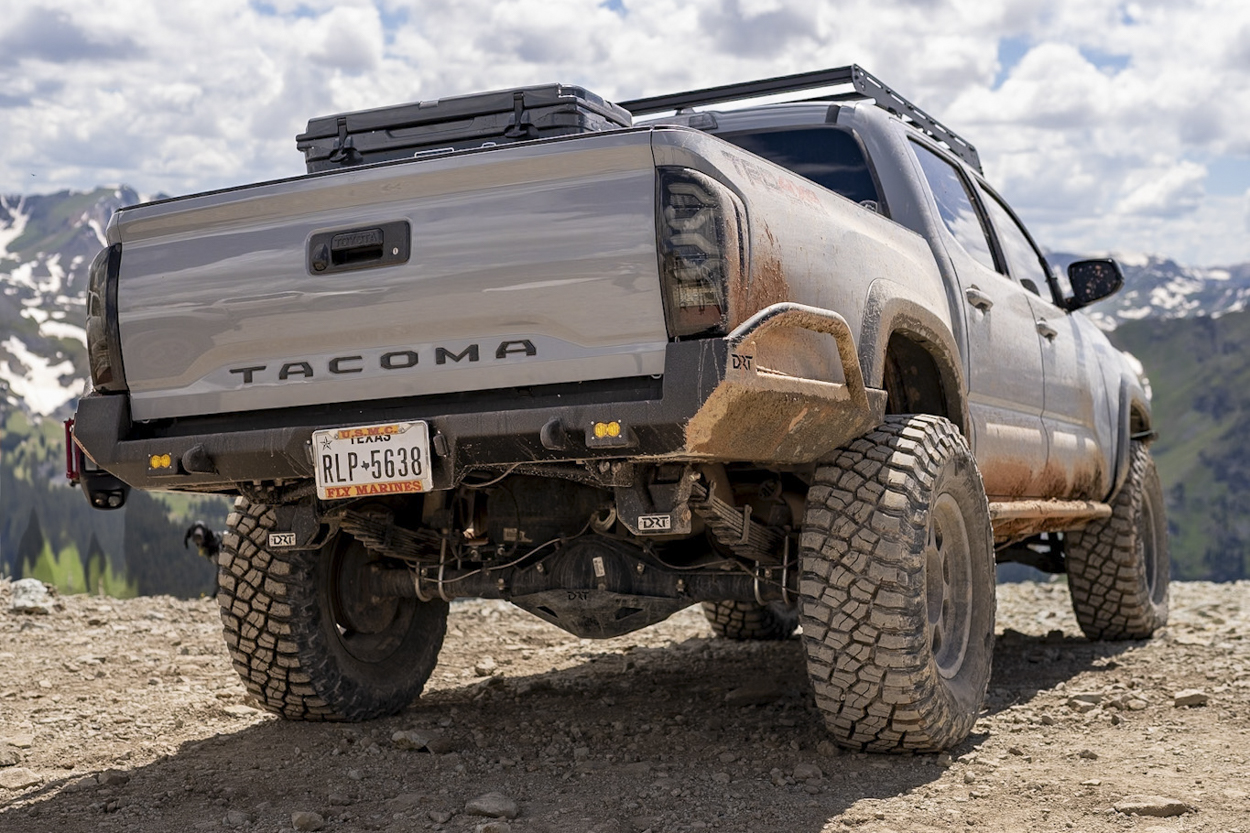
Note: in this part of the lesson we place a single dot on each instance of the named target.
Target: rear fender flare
(893, 309)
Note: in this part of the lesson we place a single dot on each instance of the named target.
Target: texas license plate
(372, 460)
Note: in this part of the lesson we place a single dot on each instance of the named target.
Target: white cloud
(1102, 128)
(1167, 190)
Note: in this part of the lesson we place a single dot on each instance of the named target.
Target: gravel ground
(126, 716)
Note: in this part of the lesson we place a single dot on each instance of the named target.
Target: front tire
(898, 588)
(307, 639)
(1119, 568)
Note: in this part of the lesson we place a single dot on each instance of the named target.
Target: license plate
(372, 460)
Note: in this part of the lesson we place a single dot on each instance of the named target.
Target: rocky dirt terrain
(126, 716)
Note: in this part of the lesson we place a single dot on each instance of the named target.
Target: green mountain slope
(1199, 370)
(47, 530)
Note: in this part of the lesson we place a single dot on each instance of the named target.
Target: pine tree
(30, 547)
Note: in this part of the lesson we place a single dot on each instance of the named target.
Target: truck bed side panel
(810, 245)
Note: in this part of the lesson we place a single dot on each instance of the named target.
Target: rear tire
(751, 620)
(898, 588)
(1119, 568)
(307, 639)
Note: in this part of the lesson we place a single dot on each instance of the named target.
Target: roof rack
(866, 86)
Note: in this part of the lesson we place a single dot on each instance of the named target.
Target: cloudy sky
(1109, 125)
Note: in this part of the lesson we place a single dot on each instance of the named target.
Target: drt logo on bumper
(281, 540)
(655, 523)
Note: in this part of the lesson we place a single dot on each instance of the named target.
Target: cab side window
(828, 156)
(1024, 262)
(955, 205)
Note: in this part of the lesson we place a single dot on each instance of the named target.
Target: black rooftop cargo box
(467, 121)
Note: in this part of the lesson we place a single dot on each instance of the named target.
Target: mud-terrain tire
(897, 588)
(304, 636)
(1119, 568)
(751, 620)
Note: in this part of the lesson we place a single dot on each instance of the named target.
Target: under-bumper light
(160, 461)
(609, 434)
(607, 429)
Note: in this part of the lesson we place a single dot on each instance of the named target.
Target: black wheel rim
(369, 628)
(948, 584)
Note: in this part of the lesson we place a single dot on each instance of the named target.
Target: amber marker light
(607, 430)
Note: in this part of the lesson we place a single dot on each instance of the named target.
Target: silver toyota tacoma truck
(798, 362)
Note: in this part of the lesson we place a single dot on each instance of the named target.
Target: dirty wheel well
(912, 379)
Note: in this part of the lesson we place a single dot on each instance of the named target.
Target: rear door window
(955, 206)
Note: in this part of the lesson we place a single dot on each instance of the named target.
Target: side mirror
(1093, 280)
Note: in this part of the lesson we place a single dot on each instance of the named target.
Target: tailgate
(527, 265)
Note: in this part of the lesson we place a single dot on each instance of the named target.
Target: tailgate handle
(367, 247)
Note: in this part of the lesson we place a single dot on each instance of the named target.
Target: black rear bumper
(527, 425)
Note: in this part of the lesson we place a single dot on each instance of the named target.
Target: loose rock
(804, 772)
(30, 595)
(303, 820)
(1190, 698)
(1152, 805)
(410, 739)
(495, 826)
(1084, 702)
(235, 818)
(495, 805)
(19, 778)
(9, 756)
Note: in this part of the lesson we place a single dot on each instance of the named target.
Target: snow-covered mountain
(1157, 287)
(47, 243)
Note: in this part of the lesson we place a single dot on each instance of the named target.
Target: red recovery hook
(73, 455)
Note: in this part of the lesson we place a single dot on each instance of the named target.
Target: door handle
(979, 299)
(1047, 332)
